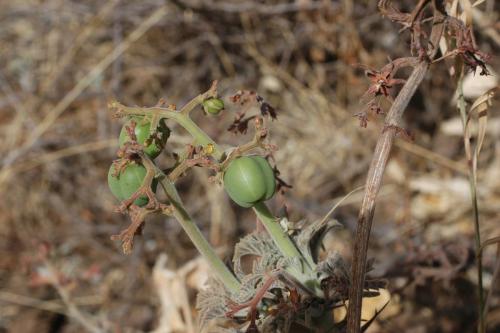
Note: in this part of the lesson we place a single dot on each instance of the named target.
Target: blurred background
(62, 61)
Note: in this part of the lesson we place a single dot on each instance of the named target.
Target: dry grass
(61, 62)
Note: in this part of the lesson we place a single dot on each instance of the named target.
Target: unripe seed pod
(128, 182)
(249, 180)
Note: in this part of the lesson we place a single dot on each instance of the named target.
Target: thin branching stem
(475, 211)
(182, 118)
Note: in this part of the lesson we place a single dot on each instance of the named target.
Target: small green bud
(213, 106)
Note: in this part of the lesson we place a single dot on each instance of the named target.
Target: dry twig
(377, 168)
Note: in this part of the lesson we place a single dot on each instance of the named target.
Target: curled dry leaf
(478, 109)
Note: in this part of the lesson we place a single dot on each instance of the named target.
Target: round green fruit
(128, 182)
(213, 106)
(249, 180)
(142, 131)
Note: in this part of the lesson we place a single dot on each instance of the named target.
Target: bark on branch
(377, 168)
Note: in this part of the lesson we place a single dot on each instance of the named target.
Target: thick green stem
(475, 213)
(199, 241)
(283, 242)
(287, 247)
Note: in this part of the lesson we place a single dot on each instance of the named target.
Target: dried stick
(73, 311)
(376, 172)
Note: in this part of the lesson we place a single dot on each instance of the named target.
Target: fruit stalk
(287, 248)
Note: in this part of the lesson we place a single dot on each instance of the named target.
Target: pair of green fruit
(130, 178)
(248, 179)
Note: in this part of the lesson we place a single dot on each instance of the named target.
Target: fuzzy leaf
(211, 302)
(259, 245)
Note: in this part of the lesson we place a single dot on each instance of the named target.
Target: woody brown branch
(377, 168)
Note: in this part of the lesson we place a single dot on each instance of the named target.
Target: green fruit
(213, 106)
(128, 182)
(249, 180)
(142, 132)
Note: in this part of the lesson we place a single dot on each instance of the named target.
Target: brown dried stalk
(378, 164)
